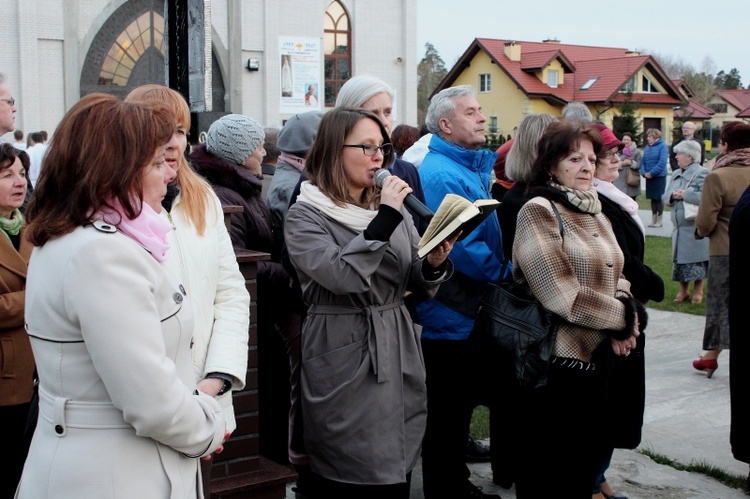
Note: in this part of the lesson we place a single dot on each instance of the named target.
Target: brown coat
(16, 357)
(722, 189)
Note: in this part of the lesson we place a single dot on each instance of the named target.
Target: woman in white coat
(111, 330)
(203, 259)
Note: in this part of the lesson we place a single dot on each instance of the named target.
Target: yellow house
(515, 78)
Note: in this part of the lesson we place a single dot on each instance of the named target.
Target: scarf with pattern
(584, 201)
(736, 157)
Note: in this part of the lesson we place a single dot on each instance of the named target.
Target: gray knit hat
(234, 137)
(297, 135)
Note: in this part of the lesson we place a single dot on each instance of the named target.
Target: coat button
(177, 297)
(595, 234)
(58, 429)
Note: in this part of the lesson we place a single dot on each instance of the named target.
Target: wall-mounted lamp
(253, 64)
(399, 60)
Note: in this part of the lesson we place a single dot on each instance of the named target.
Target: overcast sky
(687, 30)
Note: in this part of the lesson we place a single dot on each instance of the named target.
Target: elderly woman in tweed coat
(577, 274)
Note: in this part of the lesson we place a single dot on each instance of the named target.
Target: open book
(455, 214)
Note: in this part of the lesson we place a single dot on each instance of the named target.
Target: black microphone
(410, 200)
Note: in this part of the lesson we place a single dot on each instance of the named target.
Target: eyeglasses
(371, 149)
(611, 156)
(11, 102)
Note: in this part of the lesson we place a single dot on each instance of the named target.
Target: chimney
(513, 51)
(632, 53)
(551, 40)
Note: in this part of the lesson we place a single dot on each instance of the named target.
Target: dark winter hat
(608, 137)
(234, 137)
(297, 135)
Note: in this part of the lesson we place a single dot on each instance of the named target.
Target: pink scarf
(147, 229)
(291, 159)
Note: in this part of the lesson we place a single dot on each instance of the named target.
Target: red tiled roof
(745, 113)
(612, 67)
(737, 98)
(694, 110)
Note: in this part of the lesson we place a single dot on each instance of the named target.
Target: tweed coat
(722, 189)
(576, 278)
(363, 393)
(119, 416)
(207, 266)
(685, 247)
(16, 357)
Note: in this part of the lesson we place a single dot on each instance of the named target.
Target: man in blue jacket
(455, 164)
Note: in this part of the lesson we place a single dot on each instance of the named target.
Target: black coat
(739, 353)
(507, 214)
(626, 388)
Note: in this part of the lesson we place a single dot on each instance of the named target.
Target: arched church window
(142, 34)
(337, 50)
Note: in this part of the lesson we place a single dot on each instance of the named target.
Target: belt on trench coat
(376, 328)
(63, 413)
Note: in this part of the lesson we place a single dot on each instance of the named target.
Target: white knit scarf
(352, 216)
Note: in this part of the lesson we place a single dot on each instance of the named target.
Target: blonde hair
(196, 192)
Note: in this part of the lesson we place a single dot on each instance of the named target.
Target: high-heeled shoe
(697, 298)
(681, 297)
(706, 365)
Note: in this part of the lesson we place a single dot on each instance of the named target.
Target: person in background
(354, 248)
(18, 379)
(403, 137)
(739, 368)
(626, 395)
(418, 150)
(111, 329)
(268, 166)
(518, 168)
(19, 143)
(203, 260)
(455, 380)
(654, 169)
(630, 160)
(576, 274)
(501, 184)
(373, 94)
(230, 160)
(577, 111)
(689, 255)
(722, 189)
(36, 155)
(295, 139)
(688, 133)
(7, 108)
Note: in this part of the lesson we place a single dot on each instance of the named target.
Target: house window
(485, 83)
(589, 83)
(552, 78)
(630, 86)
(648, 86)
(337, 50)
(718, 107)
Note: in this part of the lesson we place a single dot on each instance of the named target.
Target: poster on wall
(299, 59)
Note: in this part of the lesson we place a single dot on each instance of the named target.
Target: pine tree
(430, 71)
(626, 119)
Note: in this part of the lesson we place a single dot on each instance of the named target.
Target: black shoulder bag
(516, 323)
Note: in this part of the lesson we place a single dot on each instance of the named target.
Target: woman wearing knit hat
(231, 162)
